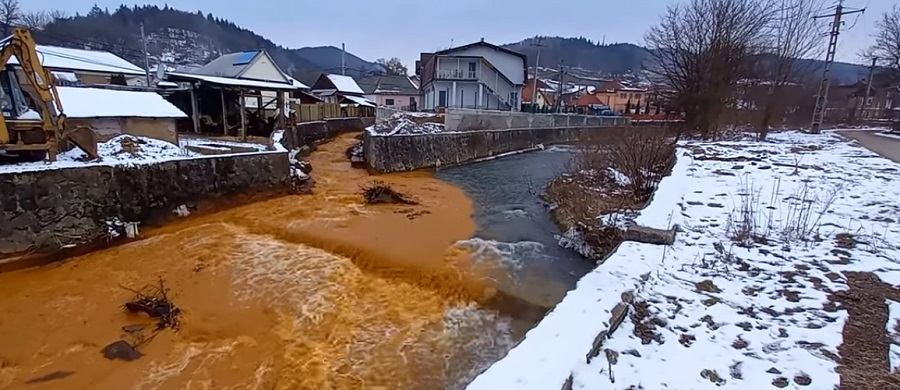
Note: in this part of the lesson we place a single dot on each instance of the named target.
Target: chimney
(482, 39)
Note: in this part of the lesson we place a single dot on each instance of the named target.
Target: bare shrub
(806, 206)
(644, 157)
(607, 179)
(746, 224)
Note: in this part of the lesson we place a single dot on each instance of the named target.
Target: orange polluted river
(299, 292)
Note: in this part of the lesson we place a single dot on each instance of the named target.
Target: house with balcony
(478, 75)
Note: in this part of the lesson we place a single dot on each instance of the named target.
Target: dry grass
(608, 178)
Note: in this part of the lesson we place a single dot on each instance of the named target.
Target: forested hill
(177, 37)
(619, 58)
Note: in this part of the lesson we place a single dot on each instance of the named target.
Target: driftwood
(379, 192)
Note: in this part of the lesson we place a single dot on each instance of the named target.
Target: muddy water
(302, 292)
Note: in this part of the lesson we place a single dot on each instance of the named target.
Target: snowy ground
(121, 150)
(219, 145)
(741, 300)
(134, 150)
(409, 123)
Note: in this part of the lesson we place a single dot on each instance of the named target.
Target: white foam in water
(515, 213)
(481, 336)
(509, 255)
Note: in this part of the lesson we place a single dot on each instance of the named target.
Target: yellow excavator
(24, 133)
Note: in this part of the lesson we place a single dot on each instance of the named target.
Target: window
(637, 96)
(473, 66)
(389, 102)
(623, 95)
(442, 98)
(412, 100)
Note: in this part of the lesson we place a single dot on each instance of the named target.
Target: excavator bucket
(85, 139)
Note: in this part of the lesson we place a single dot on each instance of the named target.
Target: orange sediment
(300, 292)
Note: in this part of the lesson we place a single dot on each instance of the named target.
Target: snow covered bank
(550, 351)
(741, 300)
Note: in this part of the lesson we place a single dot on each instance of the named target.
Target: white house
(478, 75)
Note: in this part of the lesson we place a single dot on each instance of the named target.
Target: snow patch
(893, 331)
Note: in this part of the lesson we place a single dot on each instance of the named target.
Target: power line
(822, 97)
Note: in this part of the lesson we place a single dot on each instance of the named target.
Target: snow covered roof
(360, 101)
(99, 103)
(63, 58)
(345, 84)
(236, 82)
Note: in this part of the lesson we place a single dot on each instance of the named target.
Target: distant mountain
(619, 58)
(183, 38)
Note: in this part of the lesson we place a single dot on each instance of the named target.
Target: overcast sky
(403, 28)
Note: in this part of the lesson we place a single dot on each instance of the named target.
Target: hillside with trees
(619, 58)
(174, 37)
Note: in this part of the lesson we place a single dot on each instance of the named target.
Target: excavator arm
(21, 45)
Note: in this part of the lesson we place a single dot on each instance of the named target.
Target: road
(886, 147)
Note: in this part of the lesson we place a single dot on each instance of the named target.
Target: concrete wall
(308, 133)
(45, 210)
(474, 120)
(408, 152)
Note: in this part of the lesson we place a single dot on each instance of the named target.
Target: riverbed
(307, 292)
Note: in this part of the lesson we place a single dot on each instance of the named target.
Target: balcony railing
(458, 74)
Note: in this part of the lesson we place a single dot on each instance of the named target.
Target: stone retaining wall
(308, 133)
(461, 119)
(409, 152)
(46, 210)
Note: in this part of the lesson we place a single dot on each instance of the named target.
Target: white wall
(263, 69)
(513, 67)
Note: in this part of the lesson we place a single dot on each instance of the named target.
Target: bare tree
(702, 49)
(887, 42)
(794, 35)
(393, 66)
(10, 15)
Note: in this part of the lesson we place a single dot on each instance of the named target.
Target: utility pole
(537, 62)
(343, 59)
(865, 103)
(822, 97)
(559, 93)
(146, 58)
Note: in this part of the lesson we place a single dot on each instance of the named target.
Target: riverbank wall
(49, 210)
(309, 133)
(464, 119)
(406, 152)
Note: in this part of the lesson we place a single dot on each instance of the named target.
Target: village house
(478, 75)
(71, 67)
(393, 91)
(545, 97)
(621, 98)
(850, 102)
(335, 88)
(237, 93)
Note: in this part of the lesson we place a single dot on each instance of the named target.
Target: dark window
(442, 98)
(389, 102)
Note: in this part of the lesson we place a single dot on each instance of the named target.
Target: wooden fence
(321, 111)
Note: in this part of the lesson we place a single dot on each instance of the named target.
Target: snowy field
(741, 300)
